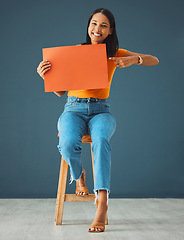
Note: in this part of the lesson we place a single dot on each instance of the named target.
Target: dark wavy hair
(112, 44)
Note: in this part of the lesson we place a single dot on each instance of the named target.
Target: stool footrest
(74, 197)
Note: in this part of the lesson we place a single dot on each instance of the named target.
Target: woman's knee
(101, 141)
(69, 145)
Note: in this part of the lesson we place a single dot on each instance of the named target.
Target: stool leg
(92, 164)
(61, 192)
(106, 217)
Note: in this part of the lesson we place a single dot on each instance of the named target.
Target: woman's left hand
(125, 61)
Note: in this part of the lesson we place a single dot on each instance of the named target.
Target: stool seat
(61, 196)
(85, 139)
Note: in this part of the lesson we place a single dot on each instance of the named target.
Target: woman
(88, 111)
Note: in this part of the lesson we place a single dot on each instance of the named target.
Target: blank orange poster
(76, 67)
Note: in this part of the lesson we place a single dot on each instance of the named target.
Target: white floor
(129, 219)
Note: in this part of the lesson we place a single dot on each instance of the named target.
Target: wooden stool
(61, 196)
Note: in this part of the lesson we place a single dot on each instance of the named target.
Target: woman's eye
(101, 25)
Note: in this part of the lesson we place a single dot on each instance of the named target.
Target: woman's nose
(98, 29)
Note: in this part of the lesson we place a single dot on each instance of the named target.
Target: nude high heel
(97, 224)
(83, 189)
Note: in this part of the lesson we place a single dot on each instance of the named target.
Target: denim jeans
(87, 116)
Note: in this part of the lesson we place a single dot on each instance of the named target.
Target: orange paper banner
(76, 67)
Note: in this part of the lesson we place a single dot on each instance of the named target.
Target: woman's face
(99, 28)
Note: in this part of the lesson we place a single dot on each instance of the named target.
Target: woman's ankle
(102, 192)
(102, 198)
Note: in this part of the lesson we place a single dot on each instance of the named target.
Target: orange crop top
(103, 92)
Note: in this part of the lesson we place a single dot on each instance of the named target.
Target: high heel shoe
(83, 189)
(106, 219)
(96, 224)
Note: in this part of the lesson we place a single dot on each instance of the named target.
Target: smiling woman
(99, 28)
(88, 112)
(102, 22)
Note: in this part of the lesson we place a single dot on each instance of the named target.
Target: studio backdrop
(147, 101)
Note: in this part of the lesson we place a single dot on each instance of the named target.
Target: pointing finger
(113, 58)
(116, 58)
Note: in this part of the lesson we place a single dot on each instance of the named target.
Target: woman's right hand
(43, 67)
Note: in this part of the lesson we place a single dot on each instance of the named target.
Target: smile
(97, 35)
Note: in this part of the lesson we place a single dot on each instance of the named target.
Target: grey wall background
(147, 101)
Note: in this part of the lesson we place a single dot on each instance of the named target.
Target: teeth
(97, 34)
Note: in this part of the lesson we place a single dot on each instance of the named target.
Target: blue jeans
(87, 116)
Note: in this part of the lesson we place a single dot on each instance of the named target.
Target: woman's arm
(132, 58)
(148, 60)
(60, 94)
